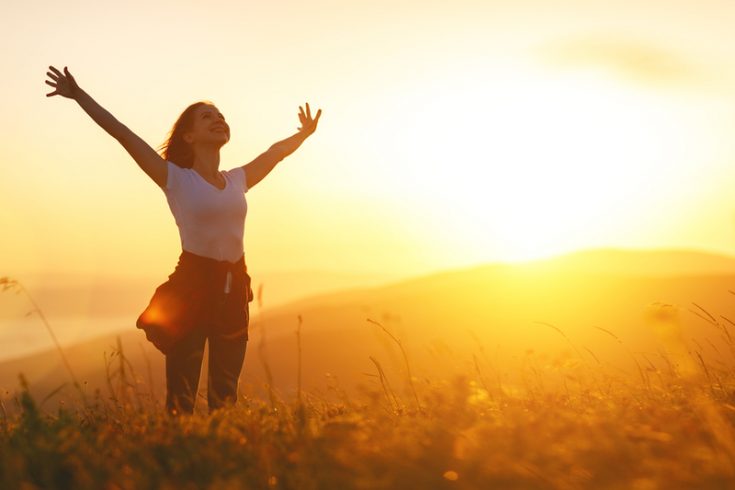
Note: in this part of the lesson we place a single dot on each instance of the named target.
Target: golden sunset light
(477, 244)
(451, 134)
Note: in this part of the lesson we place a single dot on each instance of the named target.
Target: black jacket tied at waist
(201, 293)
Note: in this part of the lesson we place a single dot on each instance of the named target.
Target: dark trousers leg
(226, 357)
(183, 365)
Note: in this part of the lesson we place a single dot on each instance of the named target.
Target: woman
(206, 297)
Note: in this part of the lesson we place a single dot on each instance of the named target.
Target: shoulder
(238, 176)
(176, 175)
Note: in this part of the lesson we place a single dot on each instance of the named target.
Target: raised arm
(256, 170)
(145, 156)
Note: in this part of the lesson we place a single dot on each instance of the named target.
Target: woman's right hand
(64, 84)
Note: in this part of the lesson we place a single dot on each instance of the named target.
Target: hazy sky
(453, 133)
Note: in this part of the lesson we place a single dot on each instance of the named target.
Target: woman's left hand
(308, 124)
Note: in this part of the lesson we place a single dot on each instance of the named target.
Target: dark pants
(183, 365)
(204, 300)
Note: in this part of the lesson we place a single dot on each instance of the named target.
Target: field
(573, 408)
(570, 425)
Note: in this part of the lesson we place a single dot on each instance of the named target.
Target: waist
(207, 263)
(219, 246)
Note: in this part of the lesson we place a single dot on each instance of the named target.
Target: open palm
(308, 124)
(64, 83)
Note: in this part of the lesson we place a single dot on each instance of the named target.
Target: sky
(452, 134)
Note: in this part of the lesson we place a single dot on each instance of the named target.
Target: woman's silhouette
(206, 297)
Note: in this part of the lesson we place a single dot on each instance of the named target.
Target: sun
(537, 164)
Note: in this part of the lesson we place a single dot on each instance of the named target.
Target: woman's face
(208, 127)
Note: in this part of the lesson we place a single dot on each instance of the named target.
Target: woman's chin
(218, 141)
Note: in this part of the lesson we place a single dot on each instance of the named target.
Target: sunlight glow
(535, 163)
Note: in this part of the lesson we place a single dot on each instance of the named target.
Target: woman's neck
(206, 160)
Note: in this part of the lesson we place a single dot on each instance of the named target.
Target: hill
(622, 309)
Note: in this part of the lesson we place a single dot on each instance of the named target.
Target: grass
(570, 424)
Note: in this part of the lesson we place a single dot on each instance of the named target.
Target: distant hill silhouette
(73, 295)
(647, 263)
(606, 303)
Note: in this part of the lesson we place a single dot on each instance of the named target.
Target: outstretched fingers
(308, 122)
(64, 83)
(55, 79)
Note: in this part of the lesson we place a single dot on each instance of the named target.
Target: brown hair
(175, 149)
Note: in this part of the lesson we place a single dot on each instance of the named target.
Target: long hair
(175, 149)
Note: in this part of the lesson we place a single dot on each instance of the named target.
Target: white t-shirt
(211, 221)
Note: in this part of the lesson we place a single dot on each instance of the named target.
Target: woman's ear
(187, 137)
